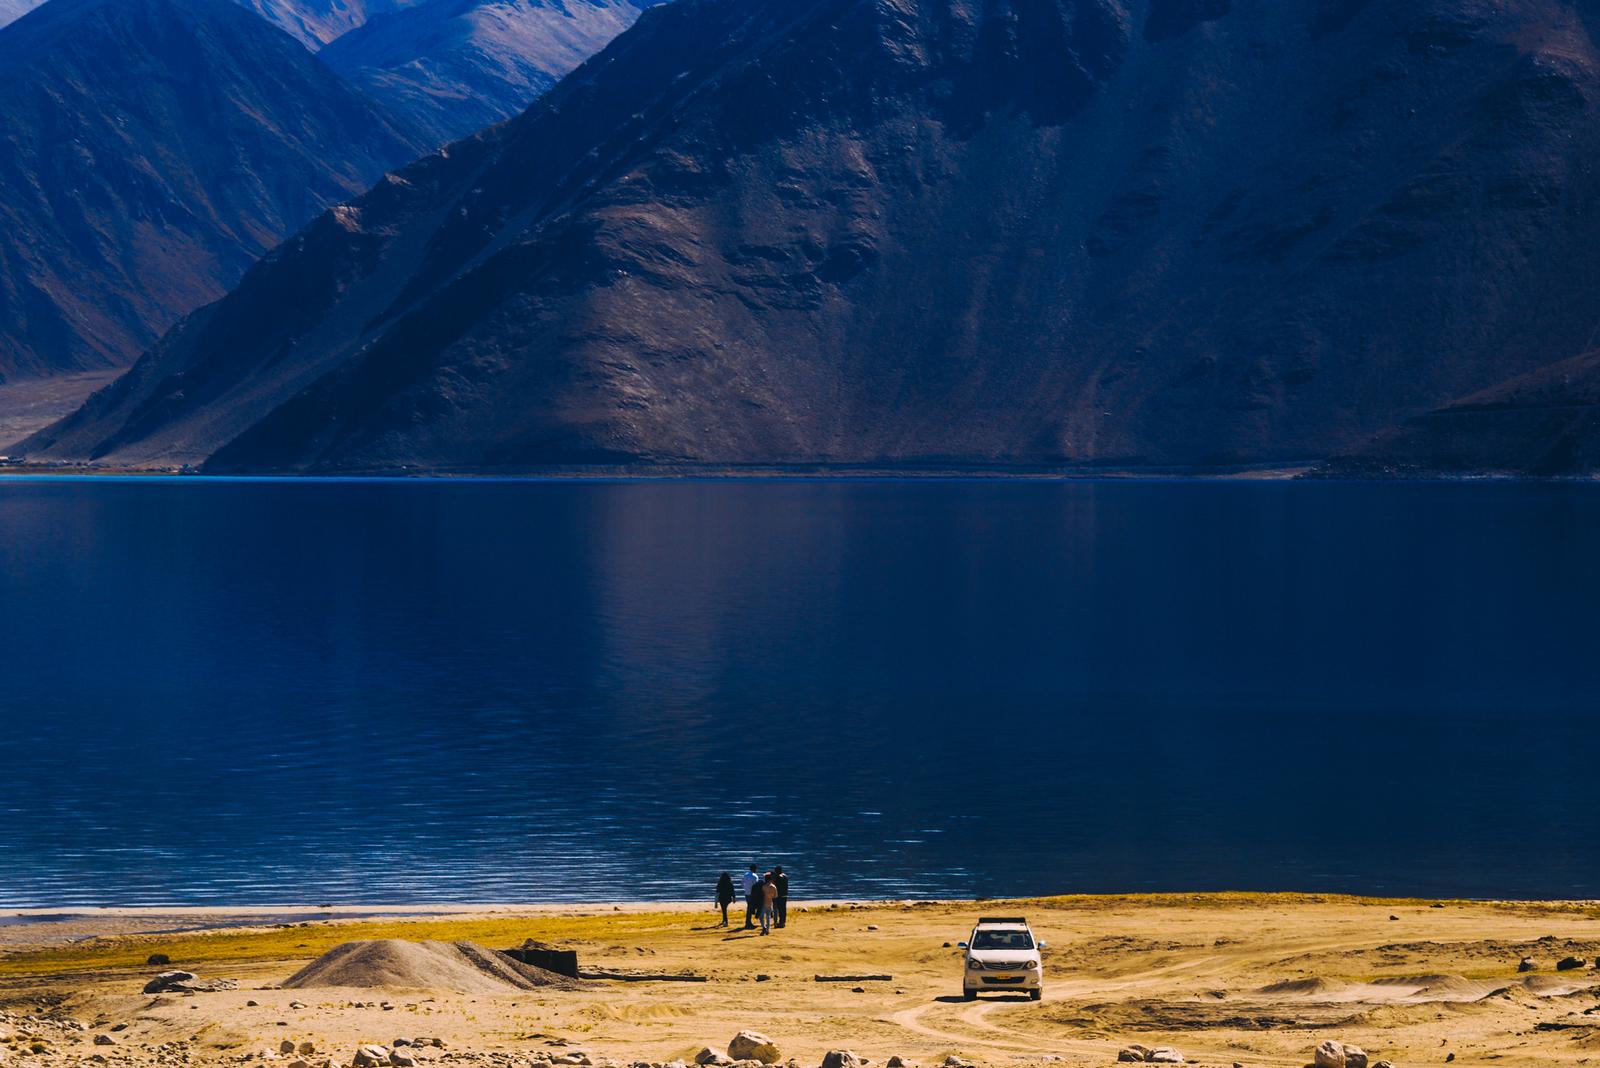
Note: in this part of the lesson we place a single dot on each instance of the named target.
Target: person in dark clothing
(752, 897)
(781, 904)
(724, 896)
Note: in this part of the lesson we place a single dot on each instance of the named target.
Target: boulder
(1527, 964)
(371, 1056)
(709, 1056)
(750, 1046)
(840, 1058)
(1130, 1056)
(1567, 964)
(402, 1058)
(895, 1062)
(158, 960)
(1331, 1054)
(1164, 1055)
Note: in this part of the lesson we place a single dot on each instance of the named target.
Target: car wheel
(1035, 995)
(968, 994)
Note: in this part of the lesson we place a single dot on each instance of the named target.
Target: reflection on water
(220, 691)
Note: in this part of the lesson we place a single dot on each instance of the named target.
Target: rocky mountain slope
(1545, 423)
(317, 22)
(151, 151)
(452, 67)
(1160, 233)
(11, 10)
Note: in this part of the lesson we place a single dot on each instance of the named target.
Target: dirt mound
(1298, 988)
(459, 966)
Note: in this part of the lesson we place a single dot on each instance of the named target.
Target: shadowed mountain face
(151, 150)
(1541, 424)
(452, 67)
(1083, 232)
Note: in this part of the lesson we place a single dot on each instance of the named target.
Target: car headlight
(1031, 965)
(975, 965)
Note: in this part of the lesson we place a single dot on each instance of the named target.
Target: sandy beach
(1225, 979)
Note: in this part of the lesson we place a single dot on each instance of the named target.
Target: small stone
(158, 959)
(399, 1042)
(858, 990)
(762, 977)
(371, 1056)
(894, 1062)
(840, 1058)
(306, 1049)
(1329, 1054)
(872, 927)
(1131, 1055)
(286, 1046)
(402, 1058)
(252, 1004)
(104, 1040)
(1164, 1055)
(1527, 964)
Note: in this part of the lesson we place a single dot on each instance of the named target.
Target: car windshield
(1002, 940)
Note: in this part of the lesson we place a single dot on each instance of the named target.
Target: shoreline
(1258, 980)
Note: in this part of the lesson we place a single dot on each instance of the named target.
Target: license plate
(1005, 977)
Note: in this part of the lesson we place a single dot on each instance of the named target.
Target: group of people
(766, 898)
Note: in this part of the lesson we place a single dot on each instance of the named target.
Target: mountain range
(151, 151)
(1171, 234)
(452, 67)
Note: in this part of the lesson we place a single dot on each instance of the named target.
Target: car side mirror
(1044, 945)
(961, 945)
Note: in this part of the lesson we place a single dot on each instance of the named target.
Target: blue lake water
(278, 691)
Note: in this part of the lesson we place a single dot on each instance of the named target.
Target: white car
(1002, 954)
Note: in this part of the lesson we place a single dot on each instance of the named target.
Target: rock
(370, 1056)
(1164, 1055)
(894, 1062)
(1527, 964)
(158, 959)
(297, 1004)
(1129, 1055)
(286, 1046)
(252, 1004)
(709, 1056)
(185, 983)
(872, 927)
(840, 1058)
(402, 1058)
(762, 977)
(750, 1046)
(306, 1049)
(401, 1042)
(1567, 964)
(104, 1040)
(1382, 1064)
(1331, 1054)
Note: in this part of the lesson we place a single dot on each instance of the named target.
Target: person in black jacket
(724, 896)
(782, 902)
